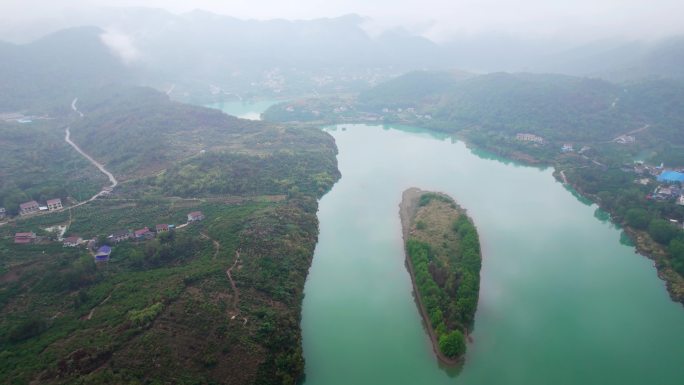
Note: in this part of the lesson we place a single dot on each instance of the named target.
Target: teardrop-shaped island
(444, 258)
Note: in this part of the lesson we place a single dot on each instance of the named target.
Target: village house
(24, 238)
(11, 116)
(121, 235)
(567, 147)
(72, 241)
(529, 138)
(103, 254)
(195, 216)
(671, 176)
(28, 208)
(54, 204)
(663, 193)
(162, 228)
(143, 233)
(3, 213)
(625, 139)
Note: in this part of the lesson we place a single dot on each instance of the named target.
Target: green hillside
(165, 310)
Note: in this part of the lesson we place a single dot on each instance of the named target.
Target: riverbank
(643, 245)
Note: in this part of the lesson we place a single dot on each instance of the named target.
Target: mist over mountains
(201, 54)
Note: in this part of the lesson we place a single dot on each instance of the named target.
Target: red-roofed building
(54, 204)
(162, 228)
(195, 216)
(24, 238)
(29, 208)
(143, 233)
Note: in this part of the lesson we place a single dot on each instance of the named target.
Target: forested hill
(211, 302)
(138, 132)
(48, 73)
(412, 88)
(557, 107)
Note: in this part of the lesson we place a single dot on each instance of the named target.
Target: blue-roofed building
(671, 177)
(103, 254)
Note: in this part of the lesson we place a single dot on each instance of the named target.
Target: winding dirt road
(112, 180)
(109, 175)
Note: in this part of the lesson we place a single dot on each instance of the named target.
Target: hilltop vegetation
(443, 250)
(164, 310)
(139, 132)
(556, 107)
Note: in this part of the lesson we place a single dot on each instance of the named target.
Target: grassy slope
(161, 310)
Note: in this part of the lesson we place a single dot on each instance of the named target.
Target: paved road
(73, 107)
(109, 175)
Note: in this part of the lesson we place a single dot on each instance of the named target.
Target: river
(562, 300)
(244, 109)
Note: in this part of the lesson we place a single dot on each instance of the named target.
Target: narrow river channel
(562, 300)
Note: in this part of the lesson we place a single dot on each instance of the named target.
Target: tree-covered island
(443, 257)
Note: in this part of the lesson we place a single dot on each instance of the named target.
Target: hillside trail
(236, 299)
(92, 311)
(236, 293)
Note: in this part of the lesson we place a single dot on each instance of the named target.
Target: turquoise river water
(562, 300)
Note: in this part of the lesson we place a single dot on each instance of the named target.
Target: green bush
(144, 316)
(452, 344)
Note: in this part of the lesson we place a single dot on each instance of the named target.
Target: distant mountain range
(204, 55)
(51, 71)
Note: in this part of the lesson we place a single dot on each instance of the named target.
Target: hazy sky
(437, 19)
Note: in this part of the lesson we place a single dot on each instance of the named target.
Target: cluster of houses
(669, 182)
(625, 139)
(104, 251)
(524, 137)
(670, 187)
(28, 208)
(32, 207)
(666, 193)
(18, 117)
(410, 111)
(569, 147)
(139, 235)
